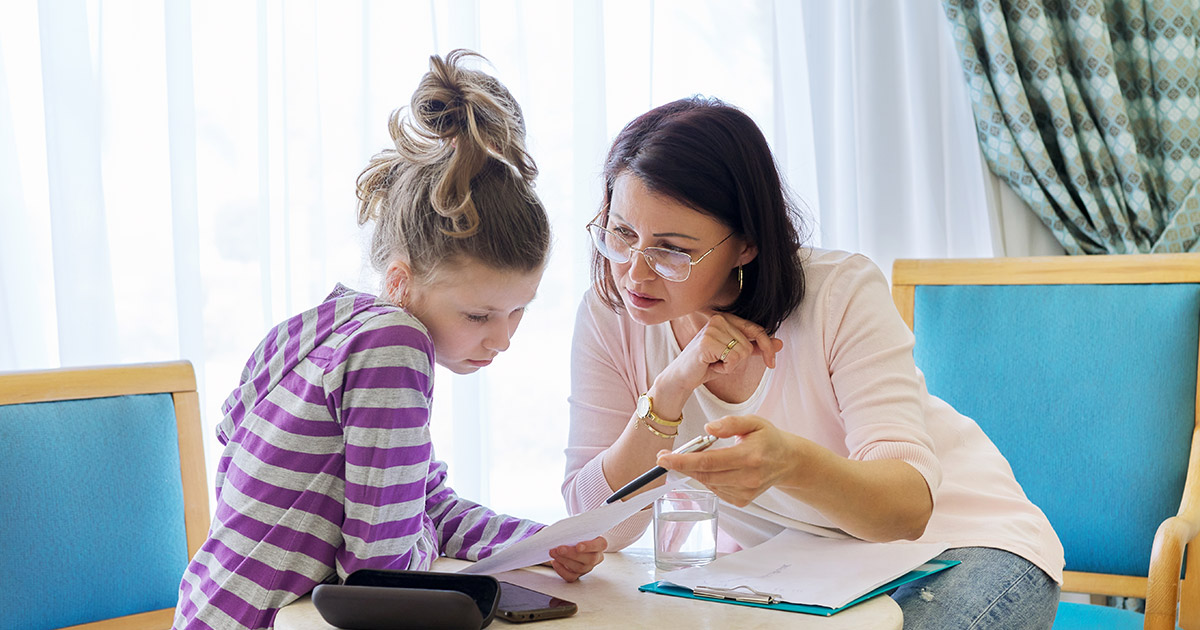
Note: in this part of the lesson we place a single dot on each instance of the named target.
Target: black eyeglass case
(378, 599)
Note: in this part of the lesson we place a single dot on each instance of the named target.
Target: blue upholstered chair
(103, 492)
(1083, 371)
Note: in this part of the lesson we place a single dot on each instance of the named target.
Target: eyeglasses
(669, 264)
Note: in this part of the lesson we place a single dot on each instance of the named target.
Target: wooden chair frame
(1163, 589)
(175, 378)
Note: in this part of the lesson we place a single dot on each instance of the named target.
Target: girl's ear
(396, 281)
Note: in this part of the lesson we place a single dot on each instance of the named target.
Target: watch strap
(655, 418)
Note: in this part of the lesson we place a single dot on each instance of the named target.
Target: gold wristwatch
(645, 412)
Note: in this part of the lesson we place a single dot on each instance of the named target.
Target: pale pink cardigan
(844, 379)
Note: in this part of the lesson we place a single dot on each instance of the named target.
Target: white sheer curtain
(176, 177)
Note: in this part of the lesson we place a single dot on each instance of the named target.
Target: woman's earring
(739, 278)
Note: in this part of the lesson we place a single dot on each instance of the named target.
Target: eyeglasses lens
(671, 265)
(668, 264)
(610, 245)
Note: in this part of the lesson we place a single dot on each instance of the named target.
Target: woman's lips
(638, 300)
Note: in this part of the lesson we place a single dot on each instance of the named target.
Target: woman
(707, 315)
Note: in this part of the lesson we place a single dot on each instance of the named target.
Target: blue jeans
(990, 590)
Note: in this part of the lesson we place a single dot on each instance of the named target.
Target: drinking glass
(685, 529)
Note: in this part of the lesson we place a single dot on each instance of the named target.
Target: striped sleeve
(381, 389)
(465, 529)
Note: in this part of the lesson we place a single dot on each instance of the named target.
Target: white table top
(608, 598)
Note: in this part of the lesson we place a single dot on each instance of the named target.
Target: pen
(698, 443)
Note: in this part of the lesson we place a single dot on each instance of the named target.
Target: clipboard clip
(733, 593)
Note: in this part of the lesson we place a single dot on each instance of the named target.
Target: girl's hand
(572, 561)
(720, 347)
(761, 457)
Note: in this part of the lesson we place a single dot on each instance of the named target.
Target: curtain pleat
(83, 282)
(1090, 111)
(185, 221)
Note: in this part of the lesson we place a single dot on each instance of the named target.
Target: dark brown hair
(712, 157)
(459, 182)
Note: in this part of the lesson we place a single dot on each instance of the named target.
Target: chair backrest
(1083, 372)
(104, 494)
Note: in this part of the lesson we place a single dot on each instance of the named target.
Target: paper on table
(806, 569)
(568, 531)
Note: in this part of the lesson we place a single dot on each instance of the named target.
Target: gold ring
(732, 343)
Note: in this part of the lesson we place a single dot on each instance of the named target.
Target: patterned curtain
(1090, 111)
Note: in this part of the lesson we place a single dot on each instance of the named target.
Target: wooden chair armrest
(1166, 560)
(1166, 557)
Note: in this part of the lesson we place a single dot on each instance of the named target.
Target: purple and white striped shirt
(328, 468)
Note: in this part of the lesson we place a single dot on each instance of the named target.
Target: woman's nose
(639, 267)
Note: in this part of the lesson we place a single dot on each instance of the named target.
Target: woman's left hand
(572, 561)
(876, 500)
(762, 456)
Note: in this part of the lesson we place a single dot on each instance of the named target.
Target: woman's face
(645, 220)
(472, 311)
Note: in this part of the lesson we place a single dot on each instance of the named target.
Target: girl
(328, 466)
(707, 315)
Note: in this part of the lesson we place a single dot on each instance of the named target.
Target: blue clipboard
(929, 568)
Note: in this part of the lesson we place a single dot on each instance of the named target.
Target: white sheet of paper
(806, 569)
(568, 531)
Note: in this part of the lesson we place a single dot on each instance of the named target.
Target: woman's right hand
(709, 354)
(701, 361)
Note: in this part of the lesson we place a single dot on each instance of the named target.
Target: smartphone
(519, 604)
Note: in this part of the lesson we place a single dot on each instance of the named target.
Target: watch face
(643, 406)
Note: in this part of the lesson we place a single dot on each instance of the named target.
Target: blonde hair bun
(459, 147)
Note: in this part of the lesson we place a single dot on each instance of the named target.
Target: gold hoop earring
(739, 278)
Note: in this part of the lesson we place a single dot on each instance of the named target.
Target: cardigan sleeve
(607, 376)
(878, 388)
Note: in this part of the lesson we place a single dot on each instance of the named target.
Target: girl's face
(472, 311)
(645, 220)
